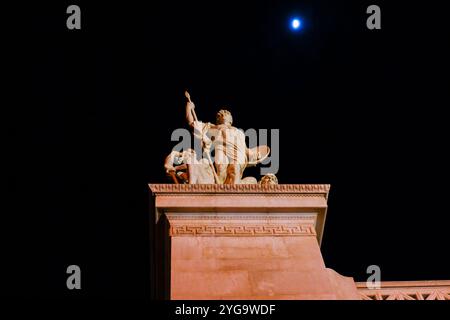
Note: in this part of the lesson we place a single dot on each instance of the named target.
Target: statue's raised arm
(190, 110)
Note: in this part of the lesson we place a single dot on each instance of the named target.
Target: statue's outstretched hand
(190, 113)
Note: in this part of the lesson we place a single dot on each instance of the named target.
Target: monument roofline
(316, 189)
(244, 202)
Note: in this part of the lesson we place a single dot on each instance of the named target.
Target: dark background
(361, 110)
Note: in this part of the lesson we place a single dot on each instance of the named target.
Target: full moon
(296, 23)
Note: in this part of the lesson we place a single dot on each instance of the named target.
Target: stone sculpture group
(231, 154)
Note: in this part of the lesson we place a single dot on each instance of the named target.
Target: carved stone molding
(231, 216)
(240, 230)
(285, 195)
(160, 189)
(242, 209)
(407, 290)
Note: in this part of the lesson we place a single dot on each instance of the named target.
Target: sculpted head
(224, 117)
(269, 180)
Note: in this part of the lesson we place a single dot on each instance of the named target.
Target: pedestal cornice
(242, 210)
(297, 189)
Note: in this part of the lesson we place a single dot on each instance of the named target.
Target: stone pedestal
(242, 242)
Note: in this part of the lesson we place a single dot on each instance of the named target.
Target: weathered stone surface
(240, 242)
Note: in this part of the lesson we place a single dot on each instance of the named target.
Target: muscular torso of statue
(230, 150)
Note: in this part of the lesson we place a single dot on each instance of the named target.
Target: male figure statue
(228, 143)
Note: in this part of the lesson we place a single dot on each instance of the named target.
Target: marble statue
(231, 154)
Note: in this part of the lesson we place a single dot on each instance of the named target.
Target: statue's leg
(192, 178)
(221, 170)
(233, 174)
(221, 164)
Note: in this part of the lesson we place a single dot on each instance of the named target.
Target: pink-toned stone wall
(244, 242)
(249, 268)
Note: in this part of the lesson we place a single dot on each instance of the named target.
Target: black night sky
(362, 110)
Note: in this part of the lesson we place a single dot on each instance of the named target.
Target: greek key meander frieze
(419, 294)
(241, 230)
